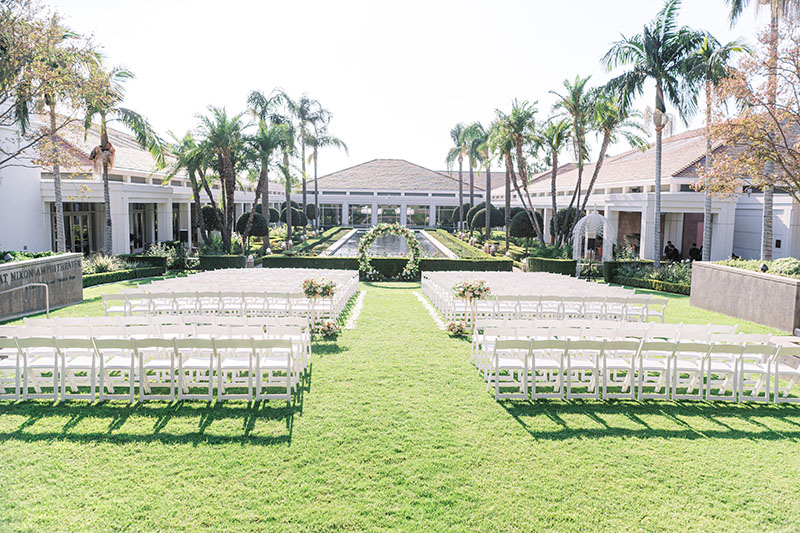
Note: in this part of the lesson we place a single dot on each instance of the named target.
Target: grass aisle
(395, 430)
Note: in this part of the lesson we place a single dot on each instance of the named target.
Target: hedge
(460, 248)
(152, 260)
(390, 266)
(554, 266)
(215, 262)
(121, 275)
(610, 267)
(663, 286)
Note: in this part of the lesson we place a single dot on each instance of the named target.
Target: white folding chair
(619, 368)
(547, 368)
(636, 308)
(755, 366)
(274, 360)
(653, 369)
(657, 308)
(156, 361)
(78, 367)
(39, 358)
(782, 368)
(196, 364)
(114, 304)
(688, 370)
(694, 332)
(235, 366)
(615, 308)
(582, 368)
(722, 371)
(10, 369)
(117, 368)
(510, 368)
(231, 303)
(571, 307)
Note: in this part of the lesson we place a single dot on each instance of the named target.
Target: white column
(164, 214)
(403, 214)
(647, 237)
(548, 214)
(432, 218)
(120, 222)
(185, 221)
(374, 219)
(345, 213)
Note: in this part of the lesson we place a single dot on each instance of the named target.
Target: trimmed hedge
(663, 286)
(610, 268)
(390, 266)
(121, 275)
(457, 246)
(151, 260)
(214, 262)
(554, 266)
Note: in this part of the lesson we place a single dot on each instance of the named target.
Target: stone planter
(62, 274)
(763, 298)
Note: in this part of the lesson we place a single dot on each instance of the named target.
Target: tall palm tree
(459, 150)
(614, 121)
(553, 138)
(483, 155)
(577, 103)
(222, 136)
(191, 158)
(308, 114)
(499, 142)
(778, 9)
(708, 65)
(658, 53)
(320, 138)
(105, 103)
(473, 138)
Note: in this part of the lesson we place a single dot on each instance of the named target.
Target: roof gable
(389, 174)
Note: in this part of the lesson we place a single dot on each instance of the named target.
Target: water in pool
(387, 246)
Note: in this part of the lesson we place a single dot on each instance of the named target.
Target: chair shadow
(119, 413)
(691, 419)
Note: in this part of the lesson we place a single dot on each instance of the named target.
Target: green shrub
(174, 257)
(101, 263)
(478, 220)
(564, 217)
(213, 219)
(460, 248)
(120, 275)
(214, 262)
(389, 266)
(610, 267)
(656, 285)
(679, 272)
(787, 266)
(274, 215)
(298, 217)
(258, 228)
(311, 211)
(148, 260)
(555, 266)
(22, 256)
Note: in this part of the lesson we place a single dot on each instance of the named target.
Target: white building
(625, 193)
(145, 210)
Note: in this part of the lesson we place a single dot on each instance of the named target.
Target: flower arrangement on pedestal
(472, 291)
(458, 328)
(314, 289)
(410, 271)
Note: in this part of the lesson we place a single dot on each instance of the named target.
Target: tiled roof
(391, 174)
(680, 155)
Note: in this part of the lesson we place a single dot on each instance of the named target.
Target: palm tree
(321, 139)
(222, 136)
(190, 157)
(778, 9)
(309, 115)
(553, 138)
(473, 138)
(499, 142)
(105, 102)
(578, 105)
(615, 121)
(658, 53)
(483, 155)
(709, 65)
(459, 150)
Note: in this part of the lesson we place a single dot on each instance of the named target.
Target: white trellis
(599, 225)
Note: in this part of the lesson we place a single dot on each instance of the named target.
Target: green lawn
(394, 430)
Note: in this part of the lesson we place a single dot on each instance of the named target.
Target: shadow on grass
(393, 285)
(690, 420)
(117, 415)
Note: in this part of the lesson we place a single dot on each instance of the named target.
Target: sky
(397, 76)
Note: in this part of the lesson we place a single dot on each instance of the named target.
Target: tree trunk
(316, 192)
(488, 202)
(461, 213)
(600, 159)
(249, 226)
(707, 167)
(230, 204)
(766, 218)
(657, 218)
(508, 203)
(197, 206)
(265, 205)
(61, 241)
(288, 190)
(109, 239)
(303, 167)
(524, 179)
(553, 174)
(471, 184)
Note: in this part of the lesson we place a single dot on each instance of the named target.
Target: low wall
(62, 274)
(763, 298)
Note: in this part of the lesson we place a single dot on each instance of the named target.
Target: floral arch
(411, 270)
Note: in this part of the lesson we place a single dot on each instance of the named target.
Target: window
(443, 195)
(330, 214)
(444, 216)
(416, 194)
(335, 192)
(418, 215)
(389, 214)
(360, 214)
(635, 189)
(389, 194)
(360, 193)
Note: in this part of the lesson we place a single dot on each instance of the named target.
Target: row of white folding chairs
(641, 369)
(488, 329)
(225, 303)
(103, 368)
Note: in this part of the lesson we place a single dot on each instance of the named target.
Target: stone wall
(763, 298)
(61, 273)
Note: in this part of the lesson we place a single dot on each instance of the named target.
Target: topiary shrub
(257, 229)
(473, 210)
(213, 219)
(479, 218)
(298, 218)
(274, 215)
(295, 205)
(311, 211)
(522, 228)
(564, 217)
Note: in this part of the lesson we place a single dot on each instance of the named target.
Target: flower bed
(654, 284)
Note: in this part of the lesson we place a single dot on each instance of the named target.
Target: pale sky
(396, 75)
